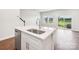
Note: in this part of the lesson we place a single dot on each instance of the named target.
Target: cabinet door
(27, 45)
(24, 44)
(30, 45)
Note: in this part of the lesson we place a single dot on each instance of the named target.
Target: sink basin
(36, 31)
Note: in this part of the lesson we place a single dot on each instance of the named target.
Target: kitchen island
(33, 38)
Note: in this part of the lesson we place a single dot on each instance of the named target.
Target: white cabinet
(29, 42)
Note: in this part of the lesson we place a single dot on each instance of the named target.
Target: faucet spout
(21, 20)
(38, 22)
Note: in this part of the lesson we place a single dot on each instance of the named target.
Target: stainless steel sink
(36, 31)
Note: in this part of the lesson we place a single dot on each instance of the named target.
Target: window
(64, 22)
(46, 19)
(49, 19)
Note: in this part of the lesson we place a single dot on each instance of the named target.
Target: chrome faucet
(39, 23)
(21, 20)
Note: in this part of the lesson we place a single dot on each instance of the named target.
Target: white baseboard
(4, 38)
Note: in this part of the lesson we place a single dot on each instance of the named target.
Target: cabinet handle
(27, 45)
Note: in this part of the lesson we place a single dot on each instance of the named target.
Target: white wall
(30, 15)
(74, 14)
(8, 22)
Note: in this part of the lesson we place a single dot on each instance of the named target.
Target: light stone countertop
(43, 36)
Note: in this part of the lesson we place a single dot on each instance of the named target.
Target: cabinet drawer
(31, 39)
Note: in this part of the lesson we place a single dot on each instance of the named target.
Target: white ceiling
(37, 10)
(42, 10)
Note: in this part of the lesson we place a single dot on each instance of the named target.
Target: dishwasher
(18, 39)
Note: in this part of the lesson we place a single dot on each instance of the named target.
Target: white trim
(5, 38)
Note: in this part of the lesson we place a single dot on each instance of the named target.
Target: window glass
(64, 22)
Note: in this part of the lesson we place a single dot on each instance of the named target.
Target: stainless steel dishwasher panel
(18, 39)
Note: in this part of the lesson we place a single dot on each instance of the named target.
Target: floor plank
(8, 44)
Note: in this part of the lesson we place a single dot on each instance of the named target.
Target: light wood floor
(66, 40)
(8, 44)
